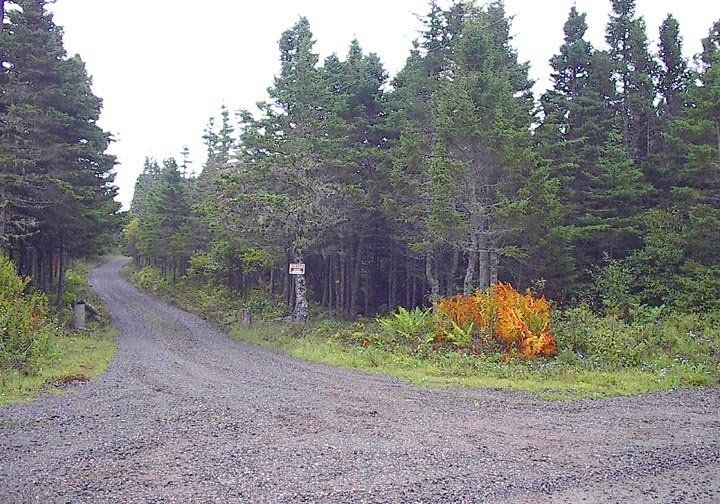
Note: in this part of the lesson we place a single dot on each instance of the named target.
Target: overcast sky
(163, 67)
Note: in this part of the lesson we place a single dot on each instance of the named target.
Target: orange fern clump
(517, 321)
(464, 310)
(523, 321)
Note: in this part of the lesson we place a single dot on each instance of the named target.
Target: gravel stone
(184, 414)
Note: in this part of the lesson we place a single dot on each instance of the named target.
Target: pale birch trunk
(300, 311)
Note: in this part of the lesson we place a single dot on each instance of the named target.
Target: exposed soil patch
(186, 414)
(68, 381)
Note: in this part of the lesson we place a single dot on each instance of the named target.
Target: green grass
(77, 356)
(547, 380)
(343, 345)
(80, 356)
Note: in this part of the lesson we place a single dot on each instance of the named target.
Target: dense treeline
(450, 177)
(56, 180)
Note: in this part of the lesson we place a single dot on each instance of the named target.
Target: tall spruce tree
(634, 71)
(288, 184)
(56, 178)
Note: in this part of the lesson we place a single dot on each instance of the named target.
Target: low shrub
(648, 338)
(150, 279)
(407, 326)
(517, 322)
(25, 329)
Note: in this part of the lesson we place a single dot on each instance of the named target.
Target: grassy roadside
(74, 357)
(547, 380)
(352, 346)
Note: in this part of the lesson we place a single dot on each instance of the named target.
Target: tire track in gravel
(186, 414)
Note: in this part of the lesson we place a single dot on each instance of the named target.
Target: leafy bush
(649, 338)
(150, 279)
(613, 287)
(25, 330)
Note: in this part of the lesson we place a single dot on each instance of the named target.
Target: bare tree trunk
(300, 312)
(34, 270)
(450, 287)
(409, 298)
(392, 282)
(355, 286)
(47, 271)
(431, 278)
(484, 263)
(325, 282)
(717, 129)
(61, 275)
(341, 290)
(286, 289)
(414, 293)
(3, 202)
(494, 262)
(470, 270)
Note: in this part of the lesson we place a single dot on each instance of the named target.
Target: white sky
(163, 67)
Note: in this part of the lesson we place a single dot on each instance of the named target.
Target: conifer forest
(451, 176)
(445, 180)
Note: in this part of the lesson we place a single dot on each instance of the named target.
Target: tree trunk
(330, 281)
(300, 312)
(408, 294)
(431, 278)
(450, 286)
(357, 270)
(62, 266)
(287, 296)
(47, 271)
(414, 293)
(341, 285)
(392, 283)
(3, 202)
(494, 262)
(484, 264)
(34, 269)
(324, 277)
(470, 270)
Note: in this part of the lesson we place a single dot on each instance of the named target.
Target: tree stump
(80, 315)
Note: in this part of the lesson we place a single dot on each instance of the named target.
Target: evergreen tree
(287, 185)
(674, 76)
(56, 179)
(634, 71)
(579, 134)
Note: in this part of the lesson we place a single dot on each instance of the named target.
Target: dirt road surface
(185, 414)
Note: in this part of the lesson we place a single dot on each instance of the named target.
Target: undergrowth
(66, 356)
(597, 356)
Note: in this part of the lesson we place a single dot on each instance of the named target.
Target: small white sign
(297, 268)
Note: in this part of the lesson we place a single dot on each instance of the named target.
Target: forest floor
(186, 414)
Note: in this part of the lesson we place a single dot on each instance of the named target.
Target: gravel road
(185, 414)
